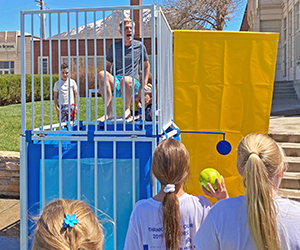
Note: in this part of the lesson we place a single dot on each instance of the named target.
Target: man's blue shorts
(118, 88)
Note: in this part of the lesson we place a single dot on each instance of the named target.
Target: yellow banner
(223, 83)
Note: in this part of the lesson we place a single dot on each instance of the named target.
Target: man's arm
(108, 66)
(147, 73)
(56, 102)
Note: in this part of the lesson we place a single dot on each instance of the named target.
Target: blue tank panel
(103, 192)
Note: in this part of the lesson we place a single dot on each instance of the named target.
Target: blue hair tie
(70, 220)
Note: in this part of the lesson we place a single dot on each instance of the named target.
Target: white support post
(23, 194)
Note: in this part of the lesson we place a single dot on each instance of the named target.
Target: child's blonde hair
(260, 160)
(50, 234)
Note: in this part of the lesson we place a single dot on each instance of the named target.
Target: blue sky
(10, 11)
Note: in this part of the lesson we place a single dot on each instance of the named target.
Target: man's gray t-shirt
(138, 47)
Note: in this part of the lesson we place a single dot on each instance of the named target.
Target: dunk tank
(106, 164)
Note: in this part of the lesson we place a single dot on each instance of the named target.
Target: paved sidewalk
(285, 107)
(10, 218)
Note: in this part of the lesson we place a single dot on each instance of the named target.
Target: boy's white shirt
(64, 87)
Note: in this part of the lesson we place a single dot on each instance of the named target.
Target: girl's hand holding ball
(213, 184)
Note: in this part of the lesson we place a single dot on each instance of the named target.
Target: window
(290, 23)
(284, 60)
(297, 16)
(290, 39)
(7, 67)
(284, 29)
(44, 65)
(297, 46)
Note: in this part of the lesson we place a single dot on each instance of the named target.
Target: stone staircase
(285, 101)
(284, 90)
(285, 129)
(290, 185)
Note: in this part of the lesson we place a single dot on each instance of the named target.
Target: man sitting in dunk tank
(130, 46)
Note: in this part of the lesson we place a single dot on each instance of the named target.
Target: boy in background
(63, 86)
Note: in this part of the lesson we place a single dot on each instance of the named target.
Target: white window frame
(284, 29)
(47, 67)
(296, 16)
(284, 51)
(9, 70)
(290, 52)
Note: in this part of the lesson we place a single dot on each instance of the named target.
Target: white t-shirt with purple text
(145, 226)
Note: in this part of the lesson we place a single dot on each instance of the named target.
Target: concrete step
(286, 131)
(283, 87)
(291, 176)
(287, 112)
(284, 92)
(290, 184)
(278, 83)
(294, 164)
(279, 137)
(288, 193)
(291, 149)
(288, 94)
(285, 96)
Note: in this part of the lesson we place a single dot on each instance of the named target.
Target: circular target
(223, 147)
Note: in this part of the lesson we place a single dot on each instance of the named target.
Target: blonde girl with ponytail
(171, 218)
(260, 219)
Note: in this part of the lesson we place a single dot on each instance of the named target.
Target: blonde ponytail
(259, 161)
(260, 205)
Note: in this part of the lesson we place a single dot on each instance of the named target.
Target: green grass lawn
(10, 125)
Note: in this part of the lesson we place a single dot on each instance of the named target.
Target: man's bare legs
(109, 86)
(128, 94)
(109, 90)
